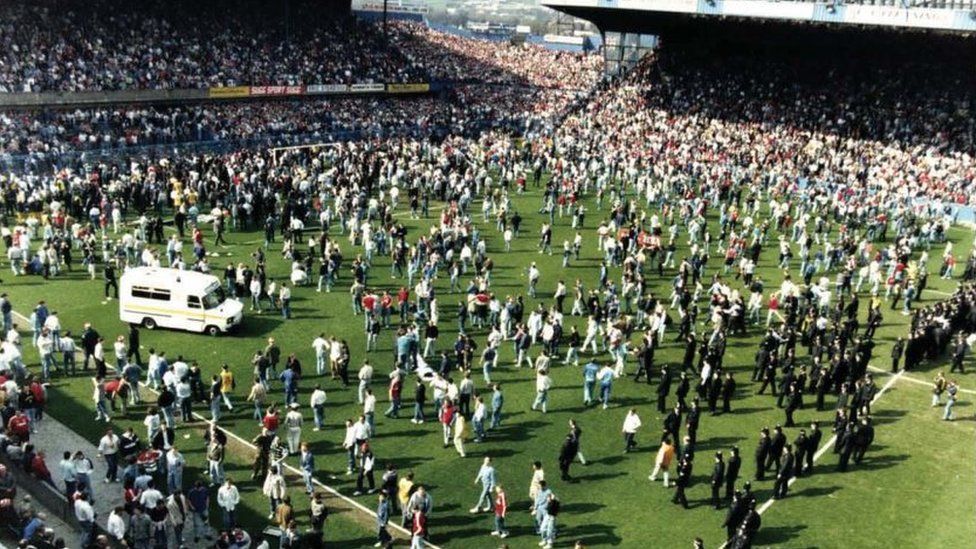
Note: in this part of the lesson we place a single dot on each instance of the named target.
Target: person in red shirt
(369, 301)
(386, 308)
(447, 413)
(117, 388)
(403, 301)
(40, 470)
(418, 528)
(396, 388)
(501, 507)
(270, 421)
(19, 426)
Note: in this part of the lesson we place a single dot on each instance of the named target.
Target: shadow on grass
(777, 534)
(718, 442)
(741, 411)
(882, 417)
(816, 491)
(872, 463)
(517, 431)
(259, 325)
(595, 535)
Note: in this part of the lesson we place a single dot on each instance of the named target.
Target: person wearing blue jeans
(174, 469)
(100, 411)
(285, 298)
(542, 385)
(548, 526)
(420, 397)
(317, 401)
(951, 391)
(589, 381)
(199, 504)
(307, 463)
(497, 401)
(488, 479)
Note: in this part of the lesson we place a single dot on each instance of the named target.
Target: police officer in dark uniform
(762, 453)
(718, 478)
(684, 479)
(732, 472)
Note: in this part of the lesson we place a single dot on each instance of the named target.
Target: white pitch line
(919, 381)
(248, 443)
(940, 292)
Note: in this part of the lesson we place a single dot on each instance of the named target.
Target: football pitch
(916, 487)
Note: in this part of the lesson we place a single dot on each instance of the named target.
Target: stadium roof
(646, 16)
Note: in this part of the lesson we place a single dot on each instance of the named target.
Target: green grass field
(916, 486)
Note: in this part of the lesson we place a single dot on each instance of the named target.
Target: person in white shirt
(284, 296)
(108, 447)
(227, 499)
(152, 423)
(99, 356)
(321, 346)
(180, 368)
(53, 325)
(120, 352)
(349, 443)
(174, 469)
(631, 424)
(534, 276)
(293, 422)
(335, 356)
(369, 411)
(150, 497)
(184, 394)
(83, 471)
(116, 525)
(86, 519)
(45, 348)
(151, 378)
(255, 290)
(365, 376)
(542, 385)
(317, 401)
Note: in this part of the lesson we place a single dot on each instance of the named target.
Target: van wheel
(212, 331)
(149, 323)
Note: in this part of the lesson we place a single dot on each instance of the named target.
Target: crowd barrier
(47, 497)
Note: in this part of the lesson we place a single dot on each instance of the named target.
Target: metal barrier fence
(43, 493)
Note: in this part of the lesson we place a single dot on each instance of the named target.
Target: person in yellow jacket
(405, 489)
(227, 385)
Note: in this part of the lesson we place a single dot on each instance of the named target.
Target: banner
(327, 88)
(898, 17)
(408, 88)
(367, 88)
(229, 92)
(260, 91)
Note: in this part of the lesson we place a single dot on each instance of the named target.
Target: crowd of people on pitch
(666, 157)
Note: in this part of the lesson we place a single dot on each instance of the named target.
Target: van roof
(163, 277)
